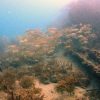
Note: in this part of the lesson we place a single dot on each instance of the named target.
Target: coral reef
(46, 57)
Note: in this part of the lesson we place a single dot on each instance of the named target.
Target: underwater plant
(26, 82)
(8, 80)
(67, 84)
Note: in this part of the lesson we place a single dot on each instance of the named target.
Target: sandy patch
(47, 90)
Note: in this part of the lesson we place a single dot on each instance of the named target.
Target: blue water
(17, 16)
